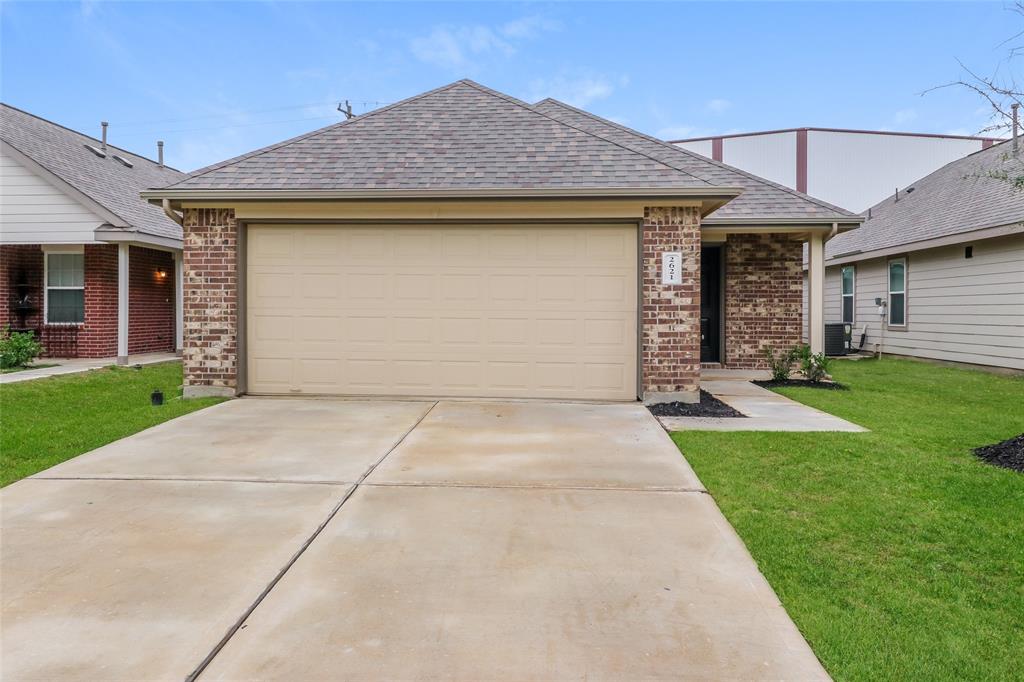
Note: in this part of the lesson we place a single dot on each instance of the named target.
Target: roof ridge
(313, 133)
(60, 177)
(89, 137)
(669, 145)
(531, 109)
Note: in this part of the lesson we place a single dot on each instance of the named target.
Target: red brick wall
(763, 297)
(19, 262)
(670, 331)
(97, 338)
(150, 301)
(210, 261)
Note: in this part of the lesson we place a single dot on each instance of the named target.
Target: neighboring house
(85, 264)
(854, 169)
(946, 258)
(465, 243)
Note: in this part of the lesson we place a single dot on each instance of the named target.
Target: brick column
(670, 332)
(210, 353)
(763, 297)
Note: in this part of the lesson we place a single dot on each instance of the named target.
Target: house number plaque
(671, 267)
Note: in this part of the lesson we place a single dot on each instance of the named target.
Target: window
(898, 292)
(65, 288)
(849, 279)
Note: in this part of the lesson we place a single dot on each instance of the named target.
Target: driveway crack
(305, 545)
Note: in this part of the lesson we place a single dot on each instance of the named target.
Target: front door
(710, 303)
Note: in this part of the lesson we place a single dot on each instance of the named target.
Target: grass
(898, 553)
(10, 370)
(46, 421)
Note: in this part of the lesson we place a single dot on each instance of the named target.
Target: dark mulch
(1008, 454)
(709, 406)
(772, 383)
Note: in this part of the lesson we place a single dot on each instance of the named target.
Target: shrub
(814, 366)
(781, 364)
(17, 349)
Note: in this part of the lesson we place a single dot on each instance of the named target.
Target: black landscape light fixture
(157, 397)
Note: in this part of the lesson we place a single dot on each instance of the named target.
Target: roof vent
(123, 161)
(909, 190)
(98, 152)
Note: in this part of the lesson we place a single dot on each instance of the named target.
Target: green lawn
(46, 421)
(898, 554)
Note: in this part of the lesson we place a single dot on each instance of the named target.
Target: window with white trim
(849, 275)
(65, 288)
(898, 292)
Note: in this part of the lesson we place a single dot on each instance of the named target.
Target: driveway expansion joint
(305, 545)
(187, 479)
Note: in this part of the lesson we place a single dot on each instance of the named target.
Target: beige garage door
(491, 311)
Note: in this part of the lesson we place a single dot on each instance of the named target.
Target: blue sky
(218, 79)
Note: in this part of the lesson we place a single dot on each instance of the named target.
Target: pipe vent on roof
(98, 152)
(123, 161)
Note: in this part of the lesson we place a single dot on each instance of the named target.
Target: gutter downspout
(171, 213)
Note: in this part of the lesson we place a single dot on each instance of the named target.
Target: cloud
(904, 116)
(457, 46)
(718, 105)
(578, 91)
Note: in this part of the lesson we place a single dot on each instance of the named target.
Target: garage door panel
(537, 311)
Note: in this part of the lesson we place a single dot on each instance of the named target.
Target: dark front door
(710, 303)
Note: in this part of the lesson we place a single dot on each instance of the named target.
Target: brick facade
(670, 329)
(763, 297)
(150, 301)
(210, 352)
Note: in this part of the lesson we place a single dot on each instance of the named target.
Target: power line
(124, 124)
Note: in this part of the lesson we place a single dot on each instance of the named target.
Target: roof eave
(845, 223)
(690, 193)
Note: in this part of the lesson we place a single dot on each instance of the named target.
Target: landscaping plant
(814, 366)
(781, 364)
(17, 349)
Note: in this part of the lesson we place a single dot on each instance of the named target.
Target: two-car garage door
(546, 311)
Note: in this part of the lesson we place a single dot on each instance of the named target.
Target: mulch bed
(709, 406)
(1008, 454)
(771, 383)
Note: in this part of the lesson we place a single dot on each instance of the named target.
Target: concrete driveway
(329, 539)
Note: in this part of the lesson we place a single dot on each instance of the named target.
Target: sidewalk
(76, 365)
(765, 410)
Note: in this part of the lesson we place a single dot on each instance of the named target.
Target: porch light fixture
(161, 273)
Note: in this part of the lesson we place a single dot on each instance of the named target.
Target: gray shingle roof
(760, 199)
(461, 136)
(110, 184)
(962, 196)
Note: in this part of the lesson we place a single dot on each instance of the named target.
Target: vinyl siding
(32, 211)
(958, 309)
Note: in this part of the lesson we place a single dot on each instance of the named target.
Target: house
(945, 257)
(854, 169)
(85, 264)
(465, 243)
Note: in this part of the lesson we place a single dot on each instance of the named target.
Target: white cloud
(718, 105)
(456, 46)
(577, 91)
(904, 116)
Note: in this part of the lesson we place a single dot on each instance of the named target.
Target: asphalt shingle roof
(110, 184)
(461, 136)
(962, 196)
(760, 199)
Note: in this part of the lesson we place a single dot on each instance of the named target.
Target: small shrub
(814, 366)
(17, 349)
(780, 364)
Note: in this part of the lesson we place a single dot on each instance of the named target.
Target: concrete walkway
(294, 539)
(765, 410)
(76, 365)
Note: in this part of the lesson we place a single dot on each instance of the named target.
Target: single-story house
(945, 259)
(465, 243)
(85, 264)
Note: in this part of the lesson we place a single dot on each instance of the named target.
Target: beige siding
(32, 211)
(958, 309)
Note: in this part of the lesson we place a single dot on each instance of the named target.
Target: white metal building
(854, 169)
